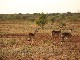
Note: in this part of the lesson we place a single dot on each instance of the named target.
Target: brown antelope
(56, 32)
(32, 35)
(67, 34)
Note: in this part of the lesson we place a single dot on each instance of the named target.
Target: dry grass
(43, 47)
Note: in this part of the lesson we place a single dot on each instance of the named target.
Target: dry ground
(15, 46)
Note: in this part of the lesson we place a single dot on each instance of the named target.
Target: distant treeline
(35, 16)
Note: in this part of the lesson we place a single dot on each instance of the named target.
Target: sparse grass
(19, 47)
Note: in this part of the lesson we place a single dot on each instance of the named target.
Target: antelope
(32, 35)
(67, 34)
(56, 32)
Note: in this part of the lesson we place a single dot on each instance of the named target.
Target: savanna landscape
(20, 41)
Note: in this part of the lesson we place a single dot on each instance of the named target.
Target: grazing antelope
(67, 34)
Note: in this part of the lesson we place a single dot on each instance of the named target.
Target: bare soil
(14, 43)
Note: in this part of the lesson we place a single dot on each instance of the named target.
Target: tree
(42, 20)
(32, 19)
(52, 20)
